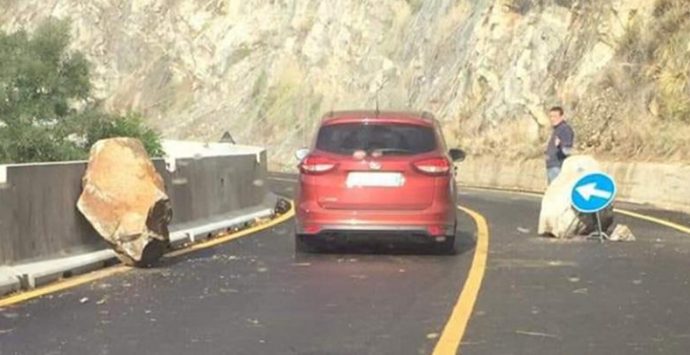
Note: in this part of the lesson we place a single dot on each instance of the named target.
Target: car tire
(305, 244)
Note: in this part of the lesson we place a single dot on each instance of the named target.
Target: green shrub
(674, 78)
(656, 54)
(100, 126)
(41, 84)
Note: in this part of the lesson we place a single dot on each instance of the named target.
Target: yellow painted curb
(63, 285)
(120, 268)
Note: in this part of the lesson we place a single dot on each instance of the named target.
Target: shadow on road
(383, 245)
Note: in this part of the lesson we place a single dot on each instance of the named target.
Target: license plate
(367, 179)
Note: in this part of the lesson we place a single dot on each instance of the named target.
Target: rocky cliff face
(265, 70)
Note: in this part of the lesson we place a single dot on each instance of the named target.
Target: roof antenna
(381, 85)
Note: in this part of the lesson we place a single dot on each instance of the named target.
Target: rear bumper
(435, 221)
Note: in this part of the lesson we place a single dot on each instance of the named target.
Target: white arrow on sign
(590, 190)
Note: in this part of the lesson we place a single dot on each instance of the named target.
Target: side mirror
(457, 154)
(301, 153)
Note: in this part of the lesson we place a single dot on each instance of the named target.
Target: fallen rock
(124, 199)
(282, 206)
(557, 217)
(622, 233)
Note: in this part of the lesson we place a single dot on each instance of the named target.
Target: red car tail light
(435, 230)
(314, 164)
(433, 166)
(311, 229)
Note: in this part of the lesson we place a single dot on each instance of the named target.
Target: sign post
(591, 194)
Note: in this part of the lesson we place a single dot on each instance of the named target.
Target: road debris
(622, 233)
(282, 206)
(432, 335)
(84, 300)
(537, 334)
(524, 230)
(500, 263)
(11, 315)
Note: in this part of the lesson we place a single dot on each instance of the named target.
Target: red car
(368, 172)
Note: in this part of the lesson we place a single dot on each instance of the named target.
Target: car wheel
(305, 244)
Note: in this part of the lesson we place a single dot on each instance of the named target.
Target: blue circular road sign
(593, 192)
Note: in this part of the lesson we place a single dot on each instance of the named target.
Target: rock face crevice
(124, 199)
(266, 70)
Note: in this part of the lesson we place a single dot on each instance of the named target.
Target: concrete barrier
(658, 184)
(8, 280)
(38, 213)
(43, 236)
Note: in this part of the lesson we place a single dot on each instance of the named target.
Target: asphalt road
(254, 296)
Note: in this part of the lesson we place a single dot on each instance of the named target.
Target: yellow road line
(454, 330)
(660, 221)
(644, 217)
(120, 268)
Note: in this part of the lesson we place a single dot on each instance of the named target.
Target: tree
(100, 125)
(41, 85)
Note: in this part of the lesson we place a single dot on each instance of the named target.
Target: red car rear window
(388, 139)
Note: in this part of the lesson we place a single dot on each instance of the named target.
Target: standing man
(560, 144)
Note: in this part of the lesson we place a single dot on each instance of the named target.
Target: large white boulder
(557, 217)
